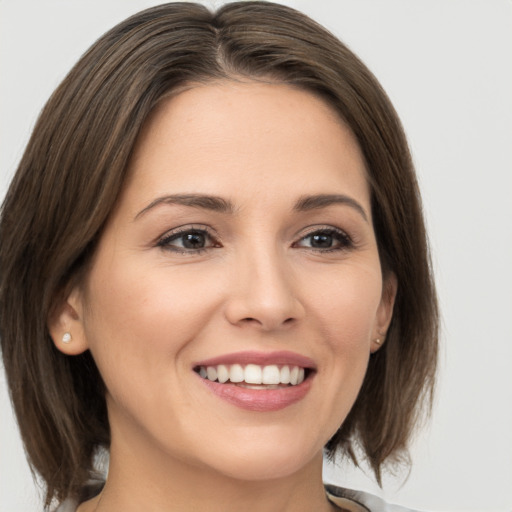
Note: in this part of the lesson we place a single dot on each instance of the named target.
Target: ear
(66, 325)
(385, 311)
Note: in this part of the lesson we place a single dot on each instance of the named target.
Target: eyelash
(164, 242)
(345, 242)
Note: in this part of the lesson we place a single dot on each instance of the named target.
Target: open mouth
(253, 376)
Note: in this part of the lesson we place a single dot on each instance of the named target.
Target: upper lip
(282, 357)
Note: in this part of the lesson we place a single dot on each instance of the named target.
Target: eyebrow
(314, 202)
(205, 202)
(221, 205)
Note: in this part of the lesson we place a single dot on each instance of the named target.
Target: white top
(359, 501)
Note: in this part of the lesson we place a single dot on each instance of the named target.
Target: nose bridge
(263, 290)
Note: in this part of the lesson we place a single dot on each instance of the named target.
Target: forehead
(230, 137)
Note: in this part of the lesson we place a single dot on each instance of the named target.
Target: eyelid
(312, 230)
(187, 228)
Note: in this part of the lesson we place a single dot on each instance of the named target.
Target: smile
(254, 376)
(258, 381)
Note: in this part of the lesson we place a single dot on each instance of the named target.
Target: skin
(149, 311)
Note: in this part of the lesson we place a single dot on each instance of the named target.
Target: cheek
(345, 314)
(346, 307)
(143, 317)
(139, 298)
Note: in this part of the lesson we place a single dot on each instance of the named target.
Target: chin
(265, 461)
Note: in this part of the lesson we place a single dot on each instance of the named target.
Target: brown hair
(74, 167)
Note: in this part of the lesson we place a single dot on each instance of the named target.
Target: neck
(143, 482)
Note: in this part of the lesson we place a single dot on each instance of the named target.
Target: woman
(214, 265)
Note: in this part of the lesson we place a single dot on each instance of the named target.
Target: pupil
(322, 241)
(193, 240)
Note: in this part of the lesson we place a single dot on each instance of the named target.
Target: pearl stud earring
(66, 338)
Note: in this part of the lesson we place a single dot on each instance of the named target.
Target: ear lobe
(65, 325)
(385, 311)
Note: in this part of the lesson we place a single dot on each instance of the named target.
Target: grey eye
(321, 241)
(325, 239)
(194, 240)
(189, 240)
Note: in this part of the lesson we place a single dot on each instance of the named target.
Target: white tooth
(252, 374)
(236, 373)
(211, 373)
(301, 376)
(294, 375)
(202, 372)
(259, 387)
(222, 373)
(271, 375)
(285, 375)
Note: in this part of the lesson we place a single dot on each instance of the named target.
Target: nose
(262, 292)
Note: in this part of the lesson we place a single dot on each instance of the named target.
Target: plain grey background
(447, 66)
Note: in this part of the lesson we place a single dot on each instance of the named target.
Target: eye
(325, 240)
(190, 240)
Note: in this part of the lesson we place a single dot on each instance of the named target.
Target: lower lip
(261, 400)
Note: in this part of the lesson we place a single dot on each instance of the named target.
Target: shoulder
(68, 505)
(359, 501)
(90, 490)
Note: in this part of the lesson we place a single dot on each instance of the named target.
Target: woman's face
(242, 247)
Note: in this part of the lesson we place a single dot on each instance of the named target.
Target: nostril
(267, 324)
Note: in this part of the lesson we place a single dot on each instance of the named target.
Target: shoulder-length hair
(75, 165)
